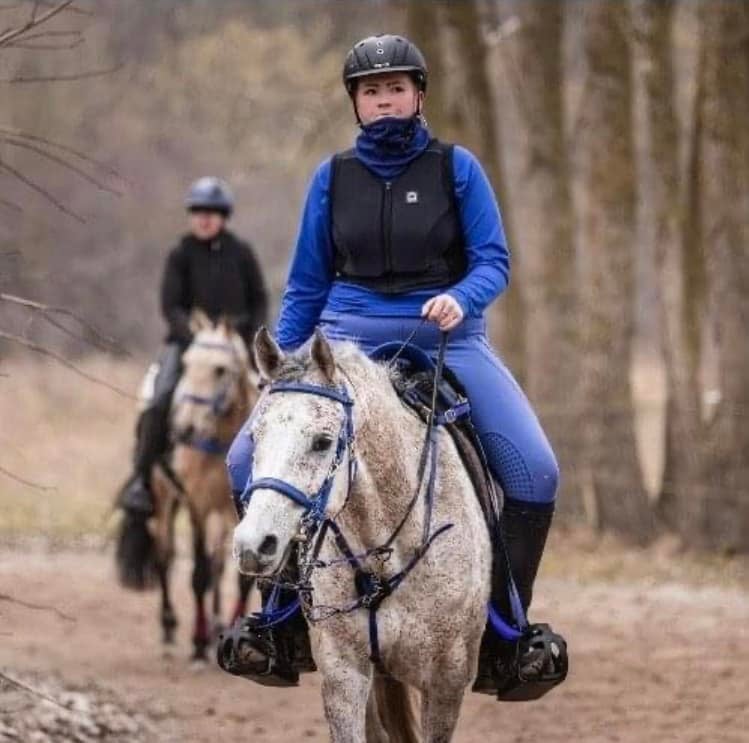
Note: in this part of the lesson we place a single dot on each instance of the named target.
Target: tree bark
(542, 209)
(475, 124)
(606, 212)
(725, 178)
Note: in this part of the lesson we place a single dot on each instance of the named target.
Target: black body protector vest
(399, 235)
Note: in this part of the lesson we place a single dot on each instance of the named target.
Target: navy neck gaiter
(388, 145)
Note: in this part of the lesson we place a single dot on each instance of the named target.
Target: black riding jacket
(219, 276)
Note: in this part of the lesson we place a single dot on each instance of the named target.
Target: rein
(372, 590)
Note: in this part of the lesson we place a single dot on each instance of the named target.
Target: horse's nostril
(268, 547)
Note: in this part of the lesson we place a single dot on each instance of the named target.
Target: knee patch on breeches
(511, 470)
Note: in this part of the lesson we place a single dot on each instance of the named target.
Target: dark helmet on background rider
(212, 194)
(384, 53)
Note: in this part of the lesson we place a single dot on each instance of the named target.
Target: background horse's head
(296, 437)
(215, 389)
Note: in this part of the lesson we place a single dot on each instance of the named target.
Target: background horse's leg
(166, 512)
(201, 581)
(440, 708)
(245, 583)
(217, 534)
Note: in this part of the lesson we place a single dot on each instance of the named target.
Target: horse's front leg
(440, 708)
(345, 694)
(201, 581)
(346, 682)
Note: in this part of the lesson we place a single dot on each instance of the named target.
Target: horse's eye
(219, 371)
(322, 442)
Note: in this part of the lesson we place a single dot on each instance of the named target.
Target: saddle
(414, 383)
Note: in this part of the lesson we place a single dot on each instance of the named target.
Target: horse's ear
(322, 355)
(199, 321)
(268, 354)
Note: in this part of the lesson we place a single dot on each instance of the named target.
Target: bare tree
(542, 213)
(610, 470)
(725, 231)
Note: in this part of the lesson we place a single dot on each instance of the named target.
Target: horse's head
(214, 386)
(302, 434)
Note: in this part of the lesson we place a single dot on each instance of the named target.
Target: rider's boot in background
(527, 668)
(152, 434)
(151, 442)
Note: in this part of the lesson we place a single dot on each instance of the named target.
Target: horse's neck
(389, 438)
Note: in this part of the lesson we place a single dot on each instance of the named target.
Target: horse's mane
(350, 359)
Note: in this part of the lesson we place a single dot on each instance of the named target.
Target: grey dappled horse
(429, 628)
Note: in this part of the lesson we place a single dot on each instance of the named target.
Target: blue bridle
(314, 505)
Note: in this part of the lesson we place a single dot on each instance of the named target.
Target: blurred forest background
(615, 133)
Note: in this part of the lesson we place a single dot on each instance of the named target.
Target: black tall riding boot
(508, 668)
(151, 442)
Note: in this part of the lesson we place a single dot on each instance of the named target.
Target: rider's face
(391, 94)
(205, 225)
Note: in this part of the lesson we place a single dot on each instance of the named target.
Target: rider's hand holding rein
(444, 310)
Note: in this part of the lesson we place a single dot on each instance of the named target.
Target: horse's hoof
(198, 665)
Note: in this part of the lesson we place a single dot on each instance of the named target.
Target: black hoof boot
(254, 653)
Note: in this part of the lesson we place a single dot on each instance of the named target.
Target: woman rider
(404, 227)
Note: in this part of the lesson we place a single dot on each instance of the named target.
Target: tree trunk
(725, 178)
(475, 124)
(606, 211)
(542, 209)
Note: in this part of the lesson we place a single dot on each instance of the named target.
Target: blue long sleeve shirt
(312, 288)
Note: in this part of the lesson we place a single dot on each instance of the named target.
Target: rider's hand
(444, 310)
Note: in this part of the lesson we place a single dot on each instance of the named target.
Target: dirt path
(656, 663)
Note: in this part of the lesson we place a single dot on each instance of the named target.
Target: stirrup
(253, 654)
(541, 663)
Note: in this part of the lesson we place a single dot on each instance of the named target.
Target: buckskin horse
(397, 563)
(213, 399)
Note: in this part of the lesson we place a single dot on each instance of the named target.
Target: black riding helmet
(384, 53)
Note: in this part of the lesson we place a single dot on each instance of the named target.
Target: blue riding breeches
(518, 451)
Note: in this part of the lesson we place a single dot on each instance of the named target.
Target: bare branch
(10, 205)
(62, 162)
(37, 607)
(62, 360)
(31, 690)
(46, 194)
(47, 310)
(70, 9)
(46, 47)
(61, 78)
(24, 481)
(16, 32)
(65, 148)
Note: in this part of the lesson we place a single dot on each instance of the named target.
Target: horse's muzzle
(257, 562)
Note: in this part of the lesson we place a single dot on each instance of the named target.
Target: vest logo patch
(412, 197)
